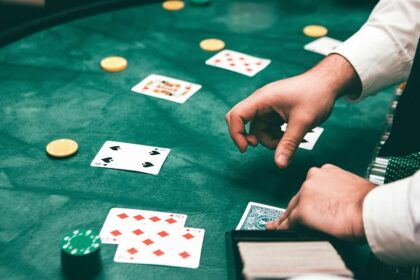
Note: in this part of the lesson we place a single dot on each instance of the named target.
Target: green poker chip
(80, 254)
(200, 2)
(81, 242)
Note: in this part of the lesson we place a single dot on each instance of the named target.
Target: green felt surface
(52, 87)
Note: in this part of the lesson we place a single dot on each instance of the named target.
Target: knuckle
(327, 166)
(227, 117)
(289, 144)
(305, 118)
(312, 172)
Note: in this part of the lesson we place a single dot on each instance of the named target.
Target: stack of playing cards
(150, 237)
(281, 260)
(133, 157)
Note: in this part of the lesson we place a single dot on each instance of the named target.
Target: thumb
(289, 142)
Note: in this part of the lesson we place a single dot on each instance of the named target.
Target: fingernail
(282, 160)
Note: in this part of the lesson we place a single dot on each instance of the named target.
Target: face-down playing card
(179, 247)
(257, 215)
(166, 88)
(310, 138)
(122, 224)
(238, 62)
(133, 157)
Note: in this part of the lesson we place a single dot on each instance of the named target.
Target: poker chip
(173, 5)
(62, 148)
(315, 31)
(114, 64)
(212, 44)
(80, 254)
(200, 2)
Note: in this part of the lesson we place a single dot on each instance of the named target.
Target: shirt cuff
(388, 224)
(377, 59)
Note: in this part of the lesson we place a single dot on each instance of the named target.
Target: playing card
(238, 62)
(257, 215)
(174, 247)
(310, 138)
(133, 157)
(166, 88)
(122, 224)
(324, 45)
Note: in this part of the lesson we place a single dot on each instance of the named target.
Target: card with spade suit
(133, 157)
(166, 88)
(310, 138)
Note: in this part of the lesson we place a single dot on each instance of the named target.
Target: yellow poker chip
(315, 31)
(62, 148)
(114, 64)
(173, 5)
(212, 45)
(402, 86)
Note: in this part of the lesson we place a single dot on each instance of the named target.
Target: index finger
(236, 120)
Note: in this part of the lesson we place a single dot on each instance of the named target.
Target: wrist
(338, 76)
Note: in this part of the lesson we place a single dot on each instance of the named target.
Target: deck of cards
(132, 157)
(151, 237)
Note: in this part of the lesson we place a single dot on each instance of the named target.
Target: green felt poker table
(52, 87)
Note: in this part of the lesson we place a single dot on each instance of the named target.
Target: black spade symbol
(304, 141)
(147, 164)
(107, 159)
(153, 153)
(115, 148)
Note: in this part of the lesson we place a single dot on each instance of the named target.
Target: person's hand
(331, 201)
(302, 102)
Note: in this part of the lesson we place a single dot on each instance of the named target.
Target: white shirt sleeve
(382, 51)
(391, 218)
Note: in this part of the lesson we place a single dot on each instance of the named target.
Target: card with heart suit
(310, 138)
(123, 223)
(133, 157)
(173, 247)
(324, 45)
(238, 62)
(166, 88)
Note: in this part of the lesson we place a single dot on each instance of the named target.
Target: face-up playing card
(166, 88)
(133, 157)
(122, 224)
(238, 62)
(324, 45)
(257, 215)
(310, 138)
(173, 247)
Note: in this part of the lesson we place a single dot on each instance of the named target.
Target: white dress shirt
(382, 53)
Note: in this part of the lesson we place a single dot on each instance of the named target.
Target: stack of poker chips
(80, 254)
